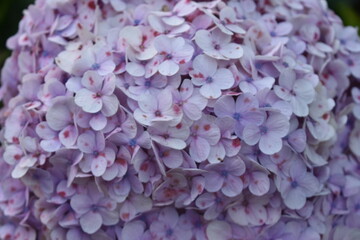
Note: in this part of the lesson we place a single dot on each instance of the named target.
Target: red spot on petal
(182, 61)
(91, 80)
(17, 157)
(199, 75)
(325, 116)
(166, 154)
(207, 127)
(16, 140)
(179, 126)
(177, 109)
(199, 188)
(62, 194)
(125, 216)
(66, 134)
(41, 126)
(121, 161)
(236, 142)
(144, 167)
(80, 26)
(92, 5)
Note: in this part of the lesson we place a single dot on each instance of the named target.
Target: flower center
(169, 232)
(249, 79)
(158, 113)
(263, 130)
(294, 184)
(147, 83)
(96, 153)
(236, 116)
(209, 80)
(224, 173)
(132, 142)
(95, 66)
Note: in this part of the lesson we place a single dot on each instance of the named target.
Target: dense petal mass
(180, 120)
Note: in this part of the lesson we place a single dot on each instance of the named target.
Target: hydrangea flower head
(164, 119)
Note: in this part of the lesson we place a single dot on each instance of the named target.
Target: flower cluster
(182, 120)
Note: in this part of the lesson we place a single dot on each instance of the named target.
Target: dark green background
(11, 13)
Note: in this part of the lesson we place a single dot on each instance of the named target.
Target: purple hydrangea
(180, 119)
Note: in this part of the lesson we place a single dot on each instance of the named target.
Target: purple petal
(91, 222)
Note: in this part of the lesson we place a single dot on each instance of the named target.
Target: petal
(80, 203)
(297, 140)
(210, 91)
(278, 125)
(98, 166)
(98, 122)
(199, 149)
(108, 85)
(86, 142)
(232, 186)
(110, 105)
(168, 68)
(51, 145)
(224, 79)
(162, 43)
(184, 54)
(133, 230)
(260, 184)
(232, 51)
(135, 69)
(204, 65)
(270, 145)
(58, 116)
(300, 108)
(304, 90)
(92, 81)
(88, 101)
(173, 20)
(68, 136)
(218, 230)
(91, 222)
(204, 40)
(294, 199)
(282, 93)
(213, 181)
(287, 79)
(310, 184)
(225, 107)
(251, 134)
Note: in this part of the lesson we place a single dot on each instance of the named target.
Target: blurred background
(11, 13)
